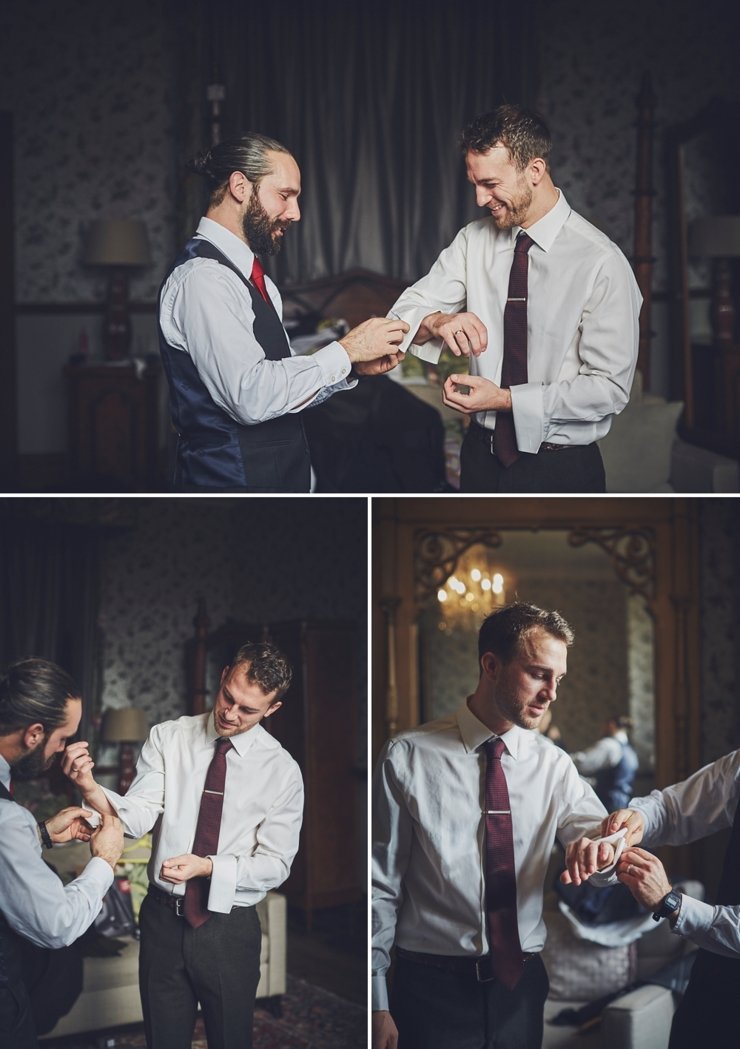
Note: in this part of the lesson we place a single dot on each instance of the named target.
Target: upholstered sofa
(581, 971)
(110, 995)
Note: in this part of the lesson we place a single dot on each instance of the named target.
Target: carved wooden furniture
(318, 725)
(113, 425)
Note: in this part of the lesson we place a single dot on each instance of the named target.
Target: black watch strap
(670, 903)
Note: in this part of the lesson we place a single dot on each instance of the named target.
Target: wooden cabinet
(318, 725)
(113, 426)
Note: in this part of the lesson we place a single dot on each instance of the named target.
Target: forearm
(35, 903)
(96, 798)
(716, 929)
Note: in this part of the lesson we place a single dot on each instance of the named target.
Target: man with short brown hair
(226, 803)
(545, 306)
(458, 875)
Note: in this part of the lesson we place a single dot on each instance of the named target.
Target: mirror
(611, 665)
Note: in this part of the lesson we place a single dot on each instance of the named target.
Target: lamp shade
(124, 725)
(117, 242)
(715, 237)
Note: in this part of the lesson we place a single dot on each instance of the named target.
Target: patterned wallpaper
(91, 91)
(260, 559)
(592, 60)
(98, 107)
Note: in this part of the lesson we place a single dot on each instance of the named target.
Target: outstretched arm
(77, 765)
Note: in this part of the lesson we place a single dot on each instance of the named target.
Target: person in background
(611, 764)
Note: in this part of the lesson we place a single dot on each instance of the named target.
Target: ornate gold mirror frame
(653, 546)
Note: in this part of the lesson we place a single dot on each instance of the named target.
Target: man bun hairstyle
(34, 691)
(522, 131)
(247, 154)
(268, 667)
(503, 630)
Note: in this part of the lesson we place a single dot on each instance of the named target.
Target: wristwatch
(670, 903)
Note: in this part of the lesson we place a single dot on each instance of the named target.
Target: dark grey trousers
(442, 1010)
(217, 965)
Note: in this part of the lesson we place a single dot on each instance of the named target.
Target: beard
(515, 709)
(34, 763)
(515, 212)
(259, 229)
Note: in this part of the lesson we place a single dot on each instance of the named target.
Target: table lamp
(118, 245)
(125, 725)
(717, 237)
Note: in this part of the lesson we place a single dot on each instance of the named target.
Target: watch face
(669, 904)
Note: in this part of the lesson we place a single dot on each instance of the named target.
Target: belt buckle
(486, 964)
(179, 900)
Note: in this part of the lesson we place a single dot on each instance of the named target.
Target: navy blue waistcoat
(614, 785)
(214, 452)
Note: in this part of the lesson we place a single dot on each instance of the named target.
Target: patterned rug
(312, 1019)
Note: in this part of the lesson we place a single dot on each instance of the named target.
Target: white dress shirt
(582, 322)
(606, 753)
(206, 311)
(262, 809)
(429, 830)
(700, 805)
(32, 898)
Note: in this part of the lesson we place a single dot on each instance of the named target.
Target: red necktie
(207, 830)
(507, 960)
(514, 365)
(258, 278)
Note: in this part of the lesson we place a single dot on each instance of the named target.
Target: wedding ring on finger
(460, 331)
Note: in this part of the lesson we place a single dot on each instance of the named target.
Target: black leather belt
(480, 967)
(167, 899)
(486, 436)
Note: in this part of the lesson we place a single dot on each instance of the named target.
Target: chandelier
(472, 591)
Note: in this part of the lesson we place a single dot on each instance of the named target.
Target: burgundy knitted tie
(514, 366)
(207, 830)
(507, 960)
(258, 279)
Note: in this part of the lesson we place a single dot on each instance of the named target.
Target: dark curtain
(49, 592)
(371, 99)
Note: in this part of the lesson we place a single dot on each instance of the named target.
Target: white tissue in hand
(608, 875)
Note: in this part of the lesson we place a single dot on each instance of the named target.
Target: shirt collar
(241, 743)
(233, 248)
(4, 773)
(474, 733)
(545, 230)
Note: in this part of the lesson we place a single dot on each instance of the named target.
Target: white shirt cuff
(379, 992)
(334, 363)
(694, 916)
(528, 407)
(223, 884)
